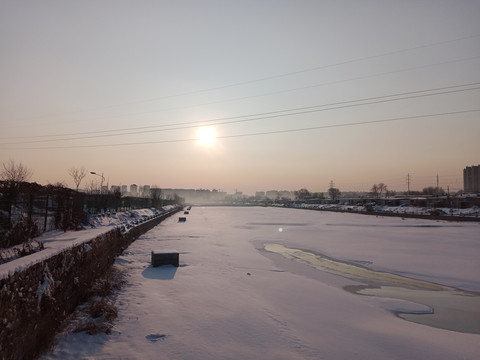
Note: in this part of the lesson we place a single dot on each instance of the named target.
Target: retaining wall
(35, 301)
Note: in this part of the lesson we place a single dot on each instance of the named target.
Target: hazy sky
(123, 87)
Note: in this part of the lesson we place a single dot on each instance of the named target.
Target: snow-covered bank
(56, 241)
(38, 291)
(231, 299)
(402, 210)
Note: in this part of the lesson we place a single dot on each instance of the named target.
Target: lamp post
(103, 178)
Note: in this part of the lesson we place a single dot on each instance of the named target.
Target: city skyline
(470, 183)
(242, 96)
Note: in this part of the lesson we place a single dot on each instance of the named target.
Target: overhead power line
(254, 117)
(291, 89)
(257, 133)
(282, 75)
(364, 77)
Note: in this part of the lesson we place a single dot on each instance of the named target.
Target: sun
(206, 136)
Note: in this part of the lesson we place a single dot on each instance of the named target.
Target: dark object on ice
(165, 258)
(156, 337)
(438, 212)
(186, 212)
(182, 219)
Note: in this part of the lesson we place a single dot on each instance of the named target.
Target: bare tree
(92, 187)
(302, 194)
(156, 195)
(15, 173)
(13, 176)
(390, 193)
(78, 175)
(378, 190)
(382, 188)
(334, 193)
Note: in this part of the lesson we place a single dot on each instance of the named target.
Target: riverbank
(441, 214)
(38, 291)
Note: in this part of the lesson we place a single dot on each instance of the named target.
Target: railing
(30, 214)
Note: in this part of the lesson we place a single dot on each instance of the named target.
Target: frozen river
(269, 283)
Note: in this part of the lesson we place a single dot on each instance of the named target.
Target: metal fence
(32, 209)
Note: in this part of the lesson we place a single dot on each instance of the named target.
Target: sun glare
(206, 136)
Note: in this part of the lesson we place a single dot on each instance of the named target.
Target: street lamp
(101, 185)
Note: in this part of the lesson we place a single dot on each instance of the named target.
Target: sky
(290, 94)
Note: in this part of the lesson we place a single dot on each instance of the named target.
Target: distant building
(124, 189)
(279, 195)
(199, 196)
(286, 195)
(471, 179)
(217, 196)
(260, 195)
(146, 191)
(238, 195)
(272, 194)
(133, 190)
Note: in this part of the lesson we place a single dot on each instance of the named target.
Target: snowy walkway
(56, 241)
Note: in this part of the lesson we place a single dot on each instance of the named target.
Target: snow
(54, 242)
(473, 211)
(57, 241)
(231, 299)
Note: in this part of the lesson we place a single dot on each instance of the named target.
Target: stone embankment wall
(34, 302)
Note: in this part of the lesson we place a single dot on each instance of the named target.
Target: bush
(21, 233)
(103, 308)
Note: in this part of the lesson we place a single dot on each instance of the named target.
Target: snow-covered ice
(231, 299)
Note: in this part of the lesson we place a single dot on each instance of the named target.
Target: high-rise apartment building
(471, 179)
(146, 191)
(133, 190)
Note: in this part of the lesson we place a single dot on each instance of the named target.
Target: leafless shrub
(104, 308)
(98, 314)
(112, 280)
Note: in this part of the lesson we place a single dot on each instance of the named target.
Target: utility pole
(332, 185)
(103, 178)
(408, 183)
